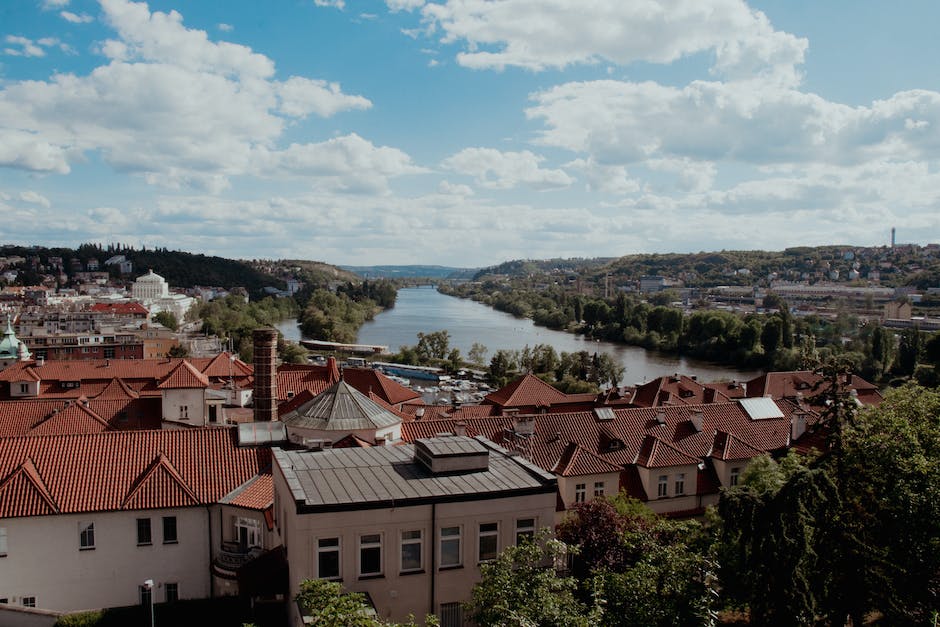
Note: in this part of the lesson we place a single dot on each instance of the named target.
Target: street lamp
(148, 585)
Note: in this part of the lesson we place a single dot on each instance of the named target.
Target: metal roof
(452, 445)
(761, 408)
(388, 476)
(340, 407)
(254, 433)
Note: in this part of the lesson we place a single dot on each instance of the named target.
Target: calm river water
(424, 309)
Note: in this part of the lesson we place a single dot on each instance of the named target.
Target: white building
(150, 286)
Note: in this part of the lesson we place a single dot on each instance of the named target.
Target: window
(328, 558)
(169, 530)
(24, 388)
(146, 595)
(735, 475)
(450, 547)
(598, 489)
(489, 541)
(144, 536)
(86, 536)
(580, 492)
(29, 601)
(663, 488)
(525, 530)
(411, 544)
(108, 352)
(171, 592)
(184, 412)
(370, 555)
(3, 541)
(680, 483)
(247, 533)
(451, 615)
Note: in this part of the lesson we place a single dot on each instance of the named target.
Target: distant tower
(892, 237)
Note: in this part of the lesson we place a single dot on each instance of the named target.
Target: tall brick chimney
(264, 395)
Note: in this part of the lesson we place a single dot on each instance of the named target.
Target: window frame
(662, 489)
(734, 476)
(489, 534)
(169, 522)
(411, 541)
(3, 542)
(371, 542)
(599, 488)
(450, 539)
(86, 536)
(679, 484)
(451, 615)
(167, 587)
(524, 529)
(323, 549)
(29, 601)
(580, 492)
(141, 524)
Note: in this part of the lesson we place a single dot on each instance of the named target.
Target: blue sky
(468, 132)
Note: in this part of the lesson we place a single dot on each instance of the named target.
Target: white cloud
(225, 28)
(172, 106)
(404, 5)
(302, 96)
(54, 4)
(610, 179)
(338, 4)
(74, 18)
(542, 34)
(452, 189)
(35, 198)
(24, 47)
(503, 170)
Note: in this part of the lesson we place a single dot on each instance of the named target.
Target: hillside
(407, 272)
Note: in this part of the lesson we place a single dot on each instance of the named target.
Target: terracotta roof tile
(101, 472)
(731, 448)
(117, 389)
(257, 493)
(24, 493)
(526, 391)
(76, 418)
(576, 460)
(184, 376)
(655, 453)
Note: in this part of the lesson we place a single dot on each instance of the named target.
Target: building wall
(397, 594)
(672, 502)
(44, 559)
(193, 400)
(567, 487)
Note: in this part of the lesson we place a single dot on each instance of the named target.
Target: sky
(468, 132)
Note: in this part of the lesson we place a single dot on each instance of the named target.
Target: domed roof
(10, 346)
(340, 407)
(151, 277)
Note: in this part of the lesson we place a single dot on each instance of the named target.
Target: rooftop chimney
(264, 395)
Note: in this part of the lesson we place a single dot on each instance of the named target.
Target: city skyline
(467, 132)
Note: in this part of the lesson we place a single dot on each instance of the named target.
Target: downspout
(211, 551)
(433, 566)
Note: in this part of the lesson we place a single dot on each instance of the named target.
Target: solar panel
(761, 408)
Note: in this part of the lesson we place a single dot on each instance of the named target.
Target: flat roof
(388, 476)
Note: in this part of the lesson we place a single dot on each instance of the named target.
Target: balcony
(232, 557)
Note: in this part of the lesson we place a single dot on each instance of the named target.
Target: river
(424, 309)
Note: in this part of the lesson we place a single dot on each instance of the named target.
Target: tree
(327, 604)
(167, 319)
(502, 365)
(433, 345)
(177, 350)
(521, 588)
(477, 354)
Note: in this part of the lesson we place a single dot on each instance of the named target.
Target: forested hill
(407, 272)
(180, 269)
(903, 265)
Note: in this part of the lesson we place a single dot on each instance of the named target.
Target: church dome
(10, 346)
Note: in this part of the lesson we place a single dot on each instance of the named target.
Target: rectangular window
(451, 615)
(24, 388)
(247, 533)
(328, 558)
(3, 541)
(598, 489)
(580, 492)
(86, 536)
(146, 595)
(525, 530)
(144, 536)
(29, 601)
(411, 545)
(735, 476)
(450, 547)
(109, 352)
(370, 555)
(184, 412)
(171, 592)
(489, 541)
(663, 488)
(680, 484)
(169, 530)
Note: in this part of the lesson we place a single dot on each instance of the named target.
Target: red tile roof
(121, 308)
(676, 390)
(257, 493)
(298, 378)
(184, 376)
(57, 417)
(526, 391)
(654, 453)
(117, 389)
(123, 470)
(802, 383)
(728, 447)
(576, 460)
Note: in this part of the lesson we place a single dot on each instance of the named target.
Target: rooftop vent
(524, 425)
(604, 413)
(661, 417)
(452, 454)
(696, 419)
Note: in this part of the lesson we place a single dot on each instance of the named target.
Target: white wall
(44, 560)
(194, 400)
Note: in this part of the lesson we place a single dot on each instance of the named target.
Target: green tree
(329, 605)
(433, 345)
(167, 319)
(522, 588)
(477, 354)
